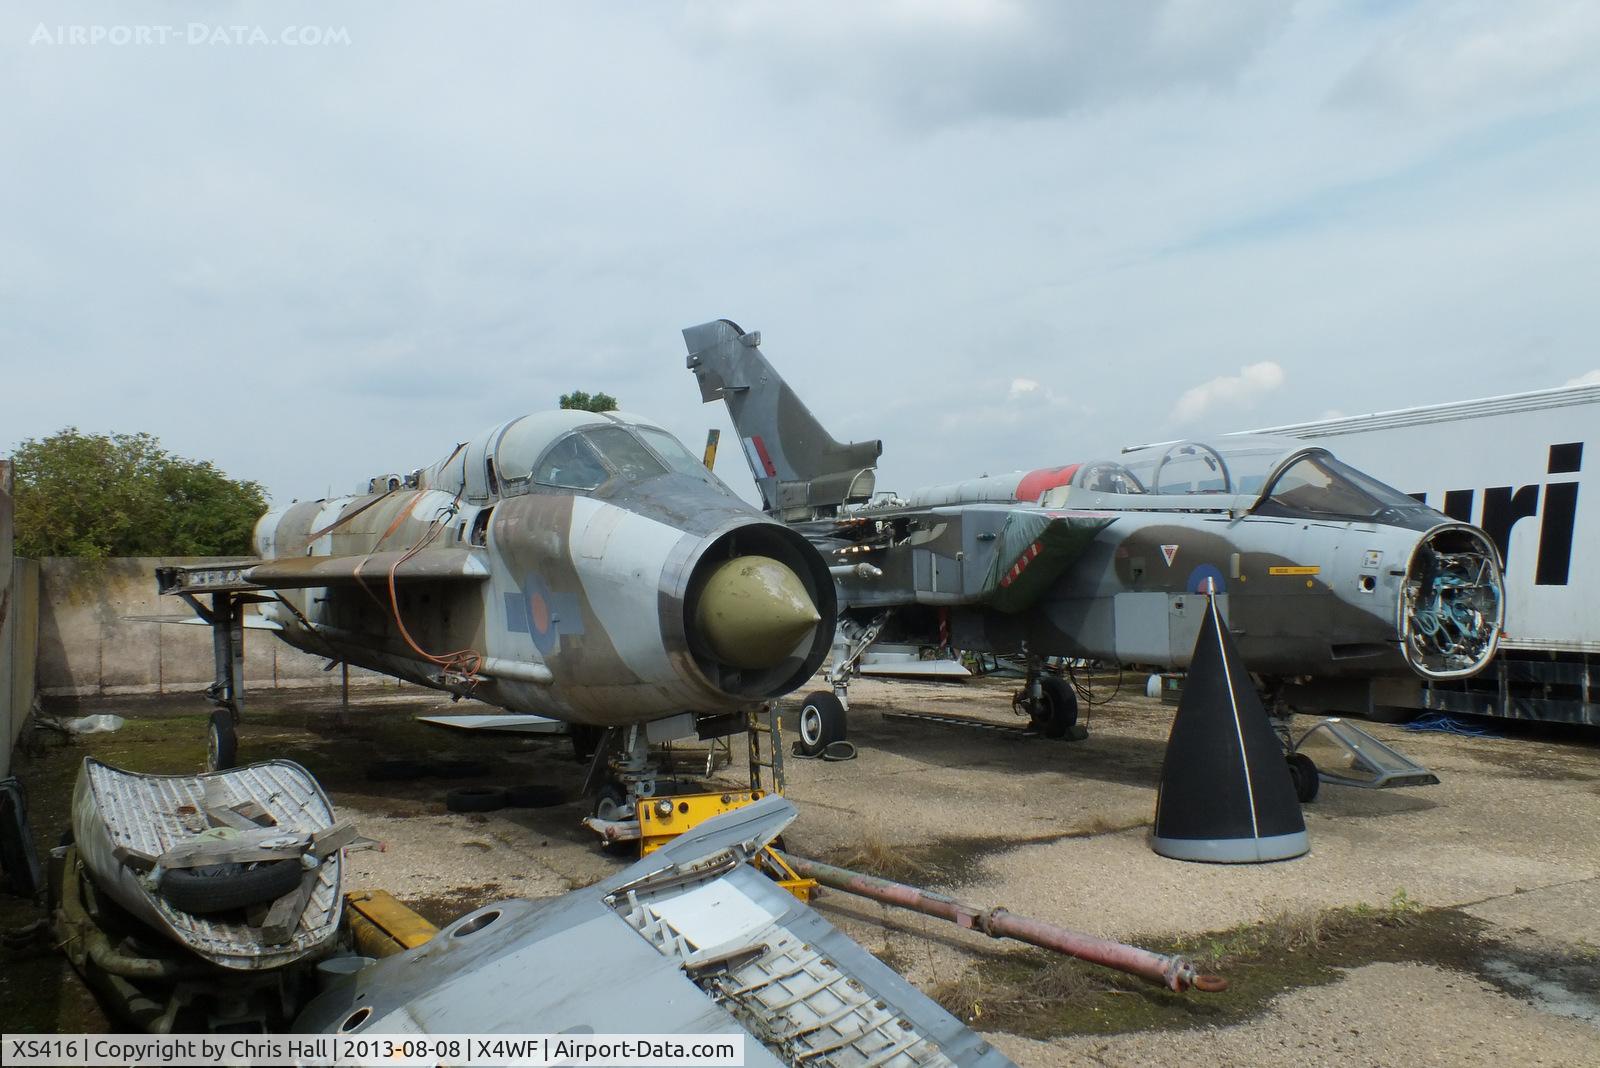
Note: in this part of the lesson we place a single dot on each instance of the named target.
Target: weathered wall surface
(19, 629)
(90, 644)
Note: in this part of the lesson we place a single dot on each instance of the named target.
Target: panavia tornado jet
(577, 565)
(1319, 569)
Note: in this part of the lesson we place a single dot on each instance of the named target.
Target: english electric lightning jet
(1319, 569)
(578, 565)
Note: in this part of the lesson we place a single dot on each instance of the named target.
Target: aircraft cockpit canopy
(570, 450)
(1286, 476)
(586, 458)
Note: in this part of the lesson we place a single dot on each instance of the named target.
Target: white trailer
(1515, 466)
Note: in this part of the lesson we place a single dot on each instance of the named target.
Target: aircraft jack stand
(655, 821)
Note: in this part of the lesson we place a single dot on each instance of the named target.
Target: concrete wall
(19, 629)
(90, 644)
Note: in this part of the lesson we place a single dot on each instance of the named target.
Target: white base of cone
(1234, 850)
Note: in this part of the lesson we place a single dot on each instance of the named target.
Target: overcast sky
(997, 235)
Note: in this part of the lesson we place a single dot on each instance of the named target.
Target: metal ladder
(773, 729)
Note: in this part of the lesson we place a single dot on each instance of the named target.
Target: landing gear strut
(629, 775)
(226, 617)
(1302, 769)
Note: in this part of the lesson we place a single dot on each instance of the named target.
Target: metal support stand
(226, 692)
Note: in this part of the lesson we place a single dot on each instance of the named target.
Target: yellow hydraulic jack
(382, 926)
(662, 819)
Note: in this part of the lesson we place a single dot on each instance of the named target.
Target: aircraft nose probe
(753, 611)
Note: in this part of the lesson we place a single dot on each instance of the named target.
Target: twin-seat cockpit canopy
(1283, 475)
(567, 450)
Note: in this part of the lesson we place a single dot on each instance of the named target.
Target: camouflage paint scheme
(580, 602)
(1088, 561)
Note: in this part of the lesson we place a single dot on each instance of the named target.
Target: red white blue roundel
(543, 614)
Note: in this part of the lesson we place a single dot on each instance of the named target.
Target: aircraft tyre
(222, 741)
(611, 803)
(1058, 708)
(225, 887)
(1304, 774)
(821, 723)
(475, 799)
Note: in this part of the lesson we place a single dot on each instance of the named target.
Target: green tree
(600, 402)
(98, 495)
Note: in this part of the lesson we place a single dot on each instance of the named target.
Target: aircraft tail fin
(801, 470)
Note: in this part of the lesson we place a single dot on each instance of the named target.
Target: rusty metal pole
(1175, 973)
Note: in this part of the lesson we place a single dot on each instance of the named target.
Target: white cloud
(965, 197)
(1485, 56)
(933, 64)
(1241, 391)
(1589, 378)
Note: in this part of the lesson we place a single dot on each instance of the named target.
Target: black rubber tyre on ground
(226, 887)
(1306, 779)
(534, 795)
(222, 741)
(1058, 707)
(821, 722)
(397, 770)
(475, 799)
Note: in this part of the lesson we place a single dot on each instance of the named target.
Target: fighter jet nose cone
(753, 612)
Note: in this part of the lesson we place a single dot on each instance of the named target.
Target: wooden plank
(333, 839)
(240, 849)
(217, 794)
(134, 858)
(235, 854)
(221, 816)
(283, 918)
(252, 811)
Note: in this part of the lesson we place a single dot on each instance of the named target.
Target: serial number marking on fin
(1311, 570)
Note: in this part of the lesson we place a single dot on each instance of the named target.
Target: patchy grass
(876, 855)
(1042, 995)
(950, 861)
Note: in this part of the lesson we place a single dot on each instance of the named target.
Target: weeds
(874, 854)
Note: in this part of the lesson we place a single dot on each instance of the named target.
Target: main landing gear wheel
(611, 803)
(1057, 713)
(222, 742)
(1304, 774)
(821, 723)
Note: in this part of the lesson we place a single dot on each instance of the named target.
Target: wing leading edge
(300, 572)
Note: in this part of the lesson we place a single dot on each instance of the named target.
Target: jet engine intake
(1453, 603)
(759, 611)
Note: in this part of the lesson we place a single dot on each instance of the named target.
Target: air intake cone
(753, 612)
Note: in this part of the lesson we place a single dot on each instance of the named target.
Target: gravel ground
(1381, 1014)
(1057, 830)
